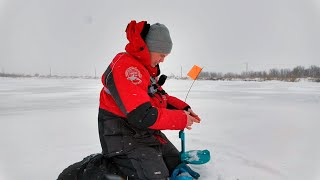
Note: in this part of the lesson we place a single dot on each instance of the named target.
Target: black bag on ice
(93, 167)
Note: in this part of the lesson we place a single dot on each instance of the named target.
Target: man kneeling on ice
(134, 107)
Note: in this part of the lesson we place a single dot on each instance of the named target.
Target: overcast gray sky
(74, 37)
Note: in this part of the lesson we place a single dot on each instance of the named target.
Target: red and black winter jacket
(126, 83)
(129, 114)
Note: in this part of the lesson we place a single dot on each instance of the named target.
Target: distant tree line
(13, 75)
(292, 75)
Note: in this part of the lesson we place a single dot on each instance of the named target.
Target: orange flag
(194, 72)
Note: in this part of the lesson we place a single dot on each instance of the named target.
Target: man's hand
(191, 120)
(194, 115)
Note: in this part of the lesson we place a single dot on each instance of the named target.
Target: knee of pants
(143, 163)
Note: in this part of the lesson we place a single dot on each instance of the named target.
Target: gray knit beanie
(158, 39)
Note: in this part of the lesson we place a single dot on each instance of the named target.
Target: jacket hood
(137, 46)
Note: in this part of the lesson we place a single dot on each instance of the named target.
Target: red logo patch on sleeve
(133, 75)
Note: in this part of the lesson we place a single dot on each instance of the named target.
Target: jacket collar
(138, 48)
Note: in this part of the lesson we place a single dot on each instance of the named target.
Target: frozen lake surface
(254, 130)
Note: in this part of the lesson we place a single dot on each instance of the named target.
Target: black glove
(162, 79)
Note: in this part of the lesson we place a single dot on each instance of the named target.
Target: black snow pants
(155, 162)
(137, 153)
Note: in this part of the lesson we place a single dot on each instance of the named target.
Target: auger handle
(182, 136)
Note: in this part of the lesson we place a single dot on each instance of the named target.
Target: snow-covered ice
(254, 130)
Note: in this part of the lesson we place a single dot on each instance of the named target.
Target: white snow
(254, 130)
(193, 156)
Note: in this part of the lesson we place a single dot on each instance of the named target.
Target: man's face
(157, 58)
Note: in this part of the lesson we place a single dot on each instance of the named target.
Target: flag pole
(185, 100)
